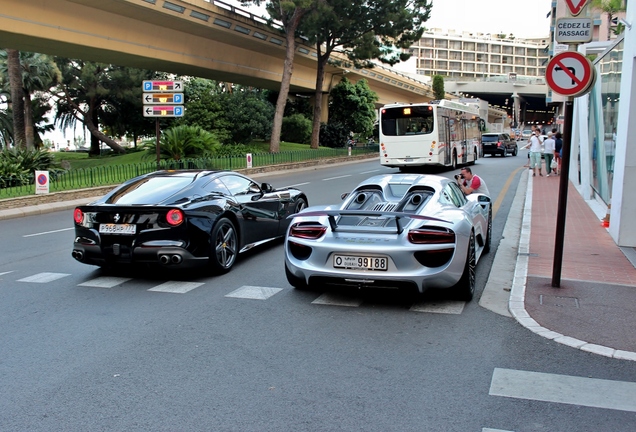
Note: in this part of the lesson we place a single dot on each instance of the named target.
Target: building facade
(478, 55)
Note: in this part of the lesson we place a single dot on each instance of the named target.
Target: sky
(525, 19)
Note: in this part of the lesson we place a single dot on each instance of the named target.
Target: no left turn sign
(570, 74)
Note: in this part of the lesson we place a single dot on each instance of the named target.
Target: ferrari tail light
(78, 216)
(174, 217)
(309, 231)
(431, 235)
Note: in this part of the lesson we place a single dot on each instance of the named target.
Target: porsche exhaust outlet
(176, 259)
(164, 259)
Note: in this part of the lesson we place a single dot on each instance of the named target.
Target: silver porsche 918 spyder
(396, 230)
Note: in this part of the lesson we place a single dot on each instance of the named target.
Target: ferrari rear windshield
(150, 190)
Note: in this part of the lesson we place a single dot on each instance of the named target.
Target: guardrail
(105, 175)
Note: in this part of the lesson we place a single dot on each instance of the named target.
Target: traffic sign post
(162, 101)
(571, 74)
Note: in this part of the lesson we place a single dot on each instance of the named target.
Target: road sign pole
(158, 133)
(563, 193)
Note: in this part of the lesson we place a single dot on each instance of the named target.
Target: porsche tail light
(309, 231)
(78, 216)
(431, 235)
(174, 217)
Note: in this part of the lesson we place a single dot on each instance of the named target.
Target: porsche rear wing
(371, 221)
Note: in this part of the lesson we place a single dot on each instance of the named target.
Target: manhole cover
(567, 302)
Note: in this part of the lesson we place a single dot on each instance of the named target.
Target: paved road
(88, 350)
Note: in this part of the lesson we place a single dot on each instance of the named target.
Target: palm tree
(611, 8)
(37, 73)
(12, 64)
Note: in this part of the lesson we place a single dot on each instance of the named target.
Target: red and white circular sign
(570, 73)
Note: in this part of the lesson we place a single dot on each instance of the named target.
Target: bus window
(397, 122)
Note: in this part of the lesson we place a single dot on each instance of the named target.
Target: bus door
(463, 141)
(444, 137)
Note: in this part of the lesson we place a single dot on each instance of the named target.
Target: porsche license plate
(124, 229)
(361, 262)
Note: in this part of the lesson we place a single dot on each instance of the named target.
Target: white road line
(369, 172)
(331, 299)
(105, 282)
(494, 430)
(444, 307)
(254, 292)
(296, 185)
(44, 277)
(176, 287)
(336, 178)
(4, 273)
(591, 392)
(47, 232)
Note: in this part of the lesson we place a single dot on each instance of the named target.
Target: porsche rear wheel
(489, 232)
(296, 282)
(224, 246)
(301, 204)
(465, 288)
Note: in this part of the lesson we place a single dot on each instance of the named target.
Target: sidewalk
(594, 309)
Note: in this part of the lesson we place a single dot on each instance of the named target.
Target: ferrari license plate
(361, 262)
(125, 229)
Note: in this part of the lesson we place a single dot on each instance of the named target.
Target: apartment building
(479, 55)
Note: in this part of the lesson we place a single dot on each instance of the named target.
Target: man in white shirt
(534, 143)
(548, 152)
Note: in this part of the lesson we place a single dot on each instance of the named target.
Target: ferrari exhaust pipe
(176, 259)
(78, 255)
(164, 259)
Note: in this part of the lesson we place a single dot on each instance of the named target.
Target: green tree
(353, 106)
(248, 114)
(88, 92)
(290, 13)
(611, 8)
(438, 87)
(205, 108)
(362, 31)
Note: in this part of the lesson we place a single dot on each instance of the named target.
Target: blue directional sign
(163, 111)
(163, 86)
(163, 98)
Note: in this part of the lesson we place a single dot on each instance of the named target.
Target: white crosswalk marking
(105, 282)
(254, 292)
(332, 299)
(44, 277)
(176, 287)
(444, 307)
(591, 392)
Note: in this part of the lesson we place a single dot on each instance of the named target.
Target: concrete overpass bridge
(208, 39)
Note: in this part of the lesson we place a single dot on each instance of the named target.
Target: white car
(397, 230)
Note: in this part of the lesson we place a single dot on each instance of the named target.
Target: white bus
(444, 133)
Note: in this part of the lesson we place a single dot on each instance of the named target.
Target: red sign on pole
(575, 6)
(570, 73)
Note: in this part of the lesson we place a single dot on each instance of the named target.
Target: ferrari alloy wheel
(465, 288)
(224, 246)
(301, 204)
(489, 232)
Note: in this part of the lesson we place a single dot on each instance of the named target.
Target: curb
(516, 304)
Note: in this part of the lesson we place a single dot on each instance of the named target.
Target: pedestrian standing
(534, 144)
(548, 153)
(558, 144)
